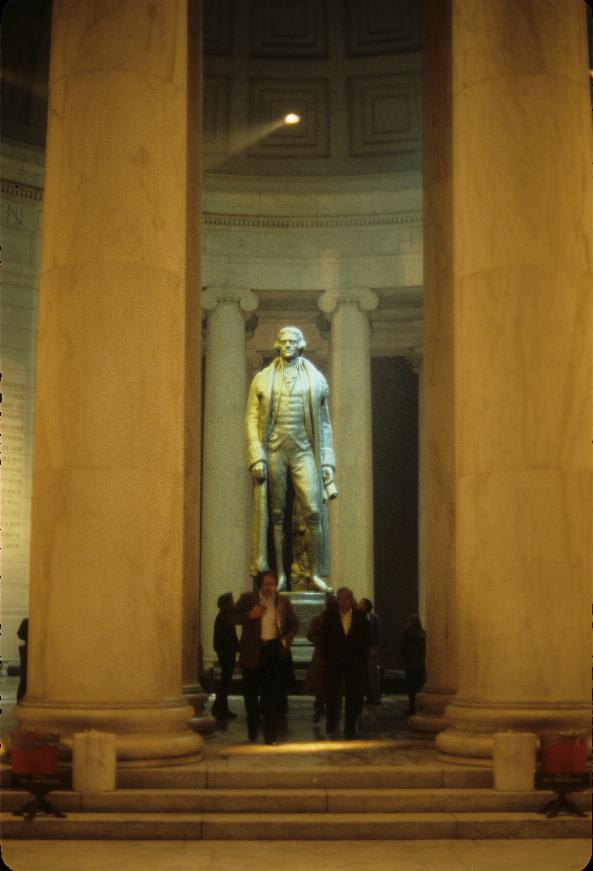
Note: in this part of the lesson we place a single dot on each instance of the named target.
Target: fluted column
(351, 514)
(109, 514)
(415, 361)
(225, 477)
(523, 253)
(437, 435)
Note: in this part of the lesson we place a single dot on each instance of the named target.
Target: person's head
(331, 600)
(345, 599)
(414, 624)
(268, 584)
(290, 343)
(225, 602)
(365, 605)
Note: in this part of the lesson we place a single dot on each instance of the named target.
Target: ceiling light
(292, 118)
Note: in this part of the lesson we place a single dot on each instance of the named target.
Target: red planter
(37, 760)
(564, 755)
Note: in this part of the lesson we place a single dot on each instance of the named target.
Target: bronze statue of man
(288, 428)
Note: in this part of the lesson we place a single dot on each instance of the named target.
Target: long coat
(250, 643)
(344, 651)
(259, 420)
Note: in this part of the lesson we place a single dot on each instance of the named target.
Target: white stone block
(93, 761)
(514, 761)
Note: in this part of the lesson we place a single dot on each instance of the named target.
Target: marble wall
(20, 221)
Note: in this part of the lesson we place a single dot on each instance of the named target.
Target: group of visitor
(345, 662)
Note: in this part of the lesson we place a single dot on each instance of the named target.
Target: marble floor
(519, 855)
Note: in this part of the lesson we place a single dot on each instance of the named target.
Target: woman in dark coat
(413, 650)
(226, 645)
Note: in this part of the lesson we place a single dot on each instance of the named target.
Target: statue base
(307, 605)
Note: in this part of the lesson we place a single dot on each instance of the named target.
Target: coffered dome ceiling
(349, 68)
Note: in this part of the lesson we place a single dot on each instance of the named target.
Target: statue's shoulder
(315, 374)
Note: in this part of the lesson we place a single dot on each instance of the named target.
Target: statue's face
(288, 344)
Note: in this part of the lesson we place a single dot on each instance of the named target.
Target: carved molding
(21, 191)
(285, 222)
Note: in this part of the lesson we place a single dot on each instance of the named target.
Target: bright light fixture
(292, 118)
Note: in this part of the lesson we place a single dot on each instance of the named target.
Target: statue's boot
(313, 551)
(321, 584)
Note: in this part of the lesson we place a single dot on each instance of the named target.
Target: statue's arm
(255, 451)
(326, 439)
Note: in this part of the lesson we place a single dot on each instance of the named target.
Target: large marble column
(225, 477)
(111, 458)
(414, 358)
(351, 514)
(522, 203)
(437, 435)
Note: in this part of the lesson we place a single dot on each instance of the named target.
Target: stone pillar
(437, 444)
(523, 253)
(225, 477)
(111, 457)
(351, 514)
(414, 359)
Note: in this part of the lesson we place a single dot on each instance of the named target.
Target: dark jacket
(226, 642)
(250, 643)
(339, 649)
(413, 649)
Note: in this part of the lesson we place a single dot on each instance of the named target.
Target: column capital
(246, 299)
(364, 297)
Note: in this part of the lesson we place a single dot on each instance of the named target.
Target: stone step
(306, 826)
(273, 801)
(281, 776)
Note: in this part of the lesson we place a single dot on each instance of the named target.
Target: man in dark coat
(344, 643)
(269, 625)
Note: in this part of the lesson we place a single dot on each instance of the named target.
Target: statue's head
(290, 342)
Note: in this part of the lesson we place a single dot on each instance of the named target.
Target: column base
(202, 722)
(431, 718)
(469, 739)
(144, 736)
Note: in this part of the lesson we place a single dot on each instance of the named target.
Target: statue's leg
(277, 468)
(307, 488)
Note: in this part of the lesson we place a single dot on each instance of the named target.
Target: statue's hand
(328, 474)
(259, 472)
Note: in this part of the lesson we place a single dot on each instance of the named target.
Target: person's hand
(256, 612)
(259, 472)
(328, 474)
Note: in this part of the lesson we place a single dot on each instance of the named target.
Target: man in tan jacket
(269, 626)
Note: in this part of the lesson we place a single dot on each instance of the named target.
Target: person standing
(269, 626)
(344, 642)
(226, 645)
(413, 650)
(314, 683)
(373, 673)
